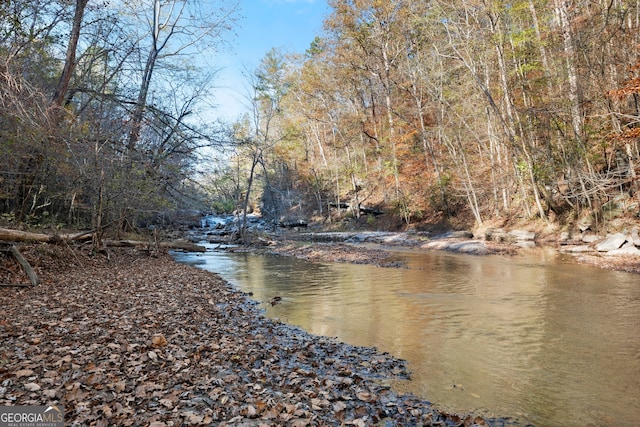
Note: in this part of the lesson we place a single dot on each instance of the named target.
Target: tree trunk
(33, 277)
(572, 75)
(254, 163)
(141, 103)
(70, 60)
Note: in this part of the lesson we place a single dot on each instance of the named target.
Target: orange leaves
(630, 87)
(158, 341)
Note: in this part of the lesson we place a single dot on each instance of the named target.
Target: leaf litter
(137, 339)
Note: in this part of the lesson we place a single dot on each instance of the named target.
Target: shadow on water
(531, 336)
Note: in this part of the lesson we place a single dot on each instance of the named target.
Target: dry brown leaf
(194, 419)
(158, 341)
(106, 410)
(339, 406)
(271, 414)
(167, 403)
(32, 387)
(24, 373)
(365, 396)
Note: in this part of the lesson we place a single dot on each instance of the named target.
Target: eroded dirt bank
(136, 339)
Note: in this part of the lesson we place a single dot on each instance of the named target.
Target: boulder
(471, 247)
(612, 242)
(625, 250)
(495, 234)
(455, 234)
(590, 238)
(635, 238)
(527, 244)
(522, 235)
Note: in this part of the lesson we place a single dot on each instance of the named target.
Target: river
(531, 336)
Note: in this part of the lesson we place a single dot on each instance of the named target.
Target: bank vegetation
(453, 112)
(400, 113)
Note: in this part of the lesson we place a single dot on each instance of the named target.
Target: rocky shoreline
(137, 339)
(617, 251)
(133, 338)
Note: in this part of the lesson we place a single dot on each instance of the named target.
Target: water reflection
(529, 336)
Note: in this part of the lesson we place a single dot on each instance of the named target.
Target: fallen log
(11, 235)
(371, 211)
(178, 245)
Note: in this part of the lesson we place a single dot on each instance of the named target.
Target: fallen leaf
(32, 387)
(24, 373)
(365, 396)
(49, 393)
(339, 406)
(194, 419)
(167, 403)
(158, 341)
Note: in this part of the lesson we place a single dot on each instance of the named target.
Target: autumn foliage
(463, 113)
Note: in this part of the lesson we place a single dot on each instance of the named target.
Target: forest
(400, 113)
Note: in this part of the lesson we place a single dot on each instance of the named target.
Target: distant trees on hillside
(463, 109)
(442, 111)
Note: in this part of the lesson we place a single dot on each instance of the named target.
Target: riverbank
(137, 339)
(356, 247)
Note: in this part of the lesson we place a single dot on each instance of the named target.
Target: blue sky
(290, 25)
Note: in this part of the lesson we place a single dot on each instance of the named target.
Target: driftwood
(33, 277)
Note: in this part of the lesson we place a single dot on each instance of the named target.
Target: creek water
(531, 336)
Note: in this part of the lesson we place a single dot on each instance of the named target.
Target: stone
(456, 234)
(612, 242)
(585, 223)
(635, 238)
(526, 244)
(471, 247)
(590, 238)
(495, 234)
(520, 235)
(625, 250)
(575, 249)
